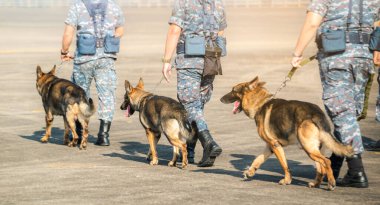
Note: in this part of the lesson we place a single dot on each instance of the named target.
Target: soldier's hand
(296, 61)
(167, 71)
(376, 58)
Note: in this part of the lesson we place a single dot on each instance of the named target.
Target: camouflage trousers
(193, 92)
(103, 72)
(344, 81)
(378, 98)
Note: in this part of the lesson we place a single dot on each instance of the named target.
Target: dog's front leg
(151, 140)
(280, 154)
(49, 121)
(258, 162)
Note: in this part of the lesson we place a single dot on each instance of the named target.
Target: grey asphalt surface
(260, 42)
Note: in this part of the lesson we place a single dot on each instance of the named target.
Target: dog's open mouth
(237, 107)
(129, 111)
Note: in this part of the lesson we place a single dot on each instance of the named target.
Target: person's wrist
(166, 60)
(296, 55)
(64, 53)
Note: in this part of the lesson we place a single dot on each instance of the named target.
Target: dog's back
(287, 116)
(58, 94)
(160, 109)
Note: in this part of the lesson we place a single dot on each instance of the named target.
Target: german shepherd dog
(159, 114)
(280, 123)
(62, 97)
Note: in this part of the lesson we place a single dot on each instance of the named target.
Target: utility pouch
(86, 44)
(111, 44)
(374, 42)
(333, 41)
(221, 42)
(195, 45)
(212, 65)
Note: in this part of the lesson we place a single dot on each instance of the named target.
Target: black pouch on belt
(212, 65)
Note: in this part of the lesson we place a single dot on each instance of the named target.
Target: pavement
(260, 42)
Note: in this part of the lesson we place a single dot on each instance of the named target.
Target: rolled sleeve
(178, 13)
(223, 22)
(319, 7)
(72, 16)
(120, 18)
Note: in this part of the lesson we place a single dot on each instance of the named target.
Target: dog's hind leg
(173, 162)
(49, 121)
(71, 122)
(308, 135)
(152, 144)
(66, 133)
(257, 162)
(84, 122)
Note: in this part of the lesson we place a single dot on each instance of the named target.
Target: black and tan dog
(281, 122)
(62, 97)
(159, 114)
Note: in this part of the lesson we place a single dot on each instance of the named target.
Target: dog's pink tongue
(236, 107)
(127, 112)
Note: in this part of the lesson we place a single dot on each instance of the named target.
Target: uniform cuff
(175, 20)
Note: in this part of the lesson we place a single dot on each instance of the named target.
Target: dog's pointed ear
(39, 72)
(253, 83)
(261, 84)
(140, 84)
(128, 86)
(52, 72)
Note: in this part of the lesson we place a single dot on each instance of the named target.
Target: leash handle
(303, 63)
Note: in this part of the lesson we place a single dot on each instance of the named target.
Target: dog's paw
(154, 162)
(331, 186)
(44, 139)
(171, 164)
(312, 185)
(248, 174)
(285, 181)
(71, 144)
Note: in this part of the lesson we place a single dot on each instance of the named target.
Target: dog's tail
(189, 130)
(87, 107)
(335, 146)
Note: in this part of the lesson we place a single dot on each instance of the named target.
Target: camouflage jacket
(188, 14)
(79, 18)
(335, 12)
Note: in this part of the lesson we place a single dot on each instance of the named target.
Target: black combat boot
(336, 164)
(103, 134)
(355, 176)
(210, 149)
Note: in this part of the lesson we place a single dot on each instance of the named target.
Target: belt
(99, 42)
(357, 38)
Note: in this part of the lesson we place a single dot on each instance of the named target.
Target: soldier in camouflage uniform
(193, 90)
(343, 75)
(101, 65)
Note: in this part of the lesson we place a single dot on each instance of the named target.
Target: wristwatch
(163, 60)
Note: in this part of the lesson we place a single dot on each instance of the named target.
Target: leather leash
(291, 73)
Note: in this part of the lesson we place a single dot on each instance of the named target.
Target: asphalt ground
(260, 42)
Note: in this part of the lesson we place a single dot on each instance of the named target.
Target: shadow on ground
(242, 162)
(55, 138)
(134, 150)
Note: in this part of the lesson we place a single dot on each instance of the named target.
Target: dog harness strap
(143, 100)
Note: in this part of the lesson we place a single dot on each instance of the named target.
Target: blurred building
(156, 3)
